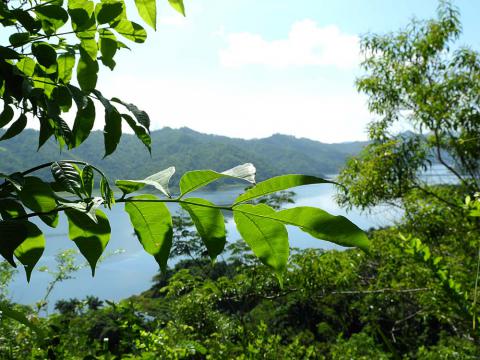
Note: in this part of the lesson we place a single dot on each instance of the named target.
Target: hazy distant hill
(186, 150)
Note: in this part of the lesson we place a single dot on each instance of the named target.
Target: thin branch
(178, 201)
(442, 161)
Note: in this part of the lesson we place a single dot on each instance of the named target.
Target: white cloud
(224, 110)
(307, 44)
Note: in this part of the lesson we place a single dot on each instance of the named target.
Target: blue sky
(251, 68)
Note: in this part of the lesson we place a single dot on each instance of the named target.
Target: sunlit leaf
(178, 5)
(209, 223)
(158, 180)
(148, 11)
(90, 47)
(87, 70)
(279, 183)
(267, 238)
(91, 238)
(53, 17)
(130, 30)
(65, 64)
(38, 196)
(193, 180)
(318, 223)
(26, 66)
(153, 225)
(107, 12)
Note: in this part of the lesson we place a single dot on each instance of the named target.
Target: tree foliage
(420, 78)
(49, 68)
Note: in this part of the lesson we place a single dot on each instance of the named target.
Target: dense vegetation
(47, 42)
(412, 296)
(187, 150)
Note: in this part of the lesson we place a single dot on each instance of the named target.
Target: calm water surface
(130, 272)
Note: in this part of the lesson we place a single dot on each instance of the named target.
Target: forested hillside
(186, 150)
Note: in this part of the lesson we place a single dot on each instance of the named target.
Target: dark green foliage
(184, 148)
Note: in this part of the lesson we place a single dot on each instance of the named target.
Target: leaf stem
(178, 201)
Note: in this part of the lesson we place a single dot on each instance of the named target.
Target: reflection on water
(129, 273)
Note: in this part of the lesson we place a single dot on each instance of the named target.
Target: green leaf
(44, 83)
(12, 234)
(62, 97)
(139, 131)
(67, 176)
(108, 47)
(113, 124)
(87, 180)
(193, 180)
(90, 47)
(16, 179)
(87, 70)
(107, 12)
(91, 238)
(6, 310)
(65, 64)
(16, 128)
(209, 222)
(7, 53)
(279, 183)
(26, 65)
(320, 224)
(10, 208)
(130, 30)
(45, 54)
(153, 225)
(178, 5)
(62, 132)
(267, 238)
(30, 250)
(28, 22)
(106, 192)
(38, 196)
(53, 17)
(83, 18)
(80, 98)
(112, 131)
(141, 116)
(6, 116)
(19, 39)
(83, 124)
(158, 180)
(147, 9)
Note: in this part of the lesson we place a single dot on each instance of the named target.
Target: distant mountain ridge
(185, 149)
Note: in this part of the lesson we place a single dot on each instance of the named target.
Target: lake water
(130, 272)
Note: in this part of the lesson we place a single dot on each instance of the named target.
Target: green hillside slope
(186, 150)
